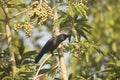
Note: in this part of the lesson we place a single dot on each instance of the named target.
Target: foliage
(105, 18)
(93, 46)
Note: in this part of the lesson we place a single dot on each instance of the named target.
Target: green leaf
(86, 30)
(70, 76)
(29, 53)
(81, 33)
(21, 48)
(114, 46)
(83, 23)
(118, 63)
(43, 71)
(60, 20)
(87, 57)
(7, 78)
(81, 10)
(71, 10)
(1, 72)
(98, 50)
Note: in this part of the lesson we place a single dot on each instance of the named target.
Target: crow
(51, 45)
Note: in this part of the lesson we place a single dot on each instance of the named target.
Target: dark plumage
(51, 45)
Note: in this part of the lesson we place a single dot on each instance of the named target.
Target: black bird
(51, 45)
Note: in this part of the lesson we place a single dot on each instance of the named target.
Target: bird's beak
(69, 37)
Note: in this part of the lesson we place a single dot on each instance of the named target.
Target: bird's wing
(47, 46)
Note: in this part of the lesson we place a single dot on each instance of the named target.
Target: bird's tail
(38, 57)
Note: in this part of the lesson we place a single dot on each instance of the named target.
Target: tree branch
(41, 66)
(9, 40)
(62, 63)
(61, 58)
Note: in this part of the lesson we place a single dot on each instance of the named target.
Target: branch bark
(12, 58)
(9, 40)
(62, 63)
(61, 58)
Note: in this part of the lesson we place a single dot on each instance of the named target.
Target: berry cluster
(79, 48)
(25, 26)
(40, 12)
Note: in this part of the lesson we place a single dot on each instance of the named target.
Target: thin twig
(13, 16)
(2, 20)
(19, 13)
(42, 65)
(2, 33)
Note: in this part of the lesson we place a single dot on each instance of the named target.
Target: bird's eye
(62, 37)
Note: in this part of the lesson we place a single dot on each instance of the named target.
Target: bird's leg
(52, 53)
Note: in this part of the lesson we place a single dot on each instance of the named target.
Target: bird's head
(62, 37)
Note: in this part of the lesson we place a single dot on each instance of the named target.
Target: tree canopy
(90, 53)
